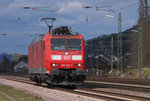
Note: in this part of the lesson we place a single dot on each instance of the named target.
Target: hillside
(131, 42)
(101, 46)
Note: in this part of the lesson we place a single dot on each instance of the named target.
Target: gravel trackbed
(46, 93)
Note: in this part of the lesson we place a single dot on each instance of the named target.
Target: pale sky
(21, 25)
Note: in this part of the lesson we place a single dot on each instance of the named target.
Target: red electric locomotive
(58, 57)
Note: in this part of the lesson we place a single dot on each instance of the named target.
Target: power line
(108, 14)
(57, 9)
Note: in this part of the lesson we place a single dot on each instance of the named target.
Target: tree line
(7, 66)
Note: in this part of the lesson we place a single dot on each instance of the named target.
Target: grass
(134, 73)
(18, 95)
(3, 98)
(146, 71)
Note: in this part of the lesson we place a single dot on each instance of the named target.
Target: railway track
(132, 87)
(99, 94)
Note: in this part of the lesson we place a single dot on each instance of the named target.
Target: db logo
(66, 57)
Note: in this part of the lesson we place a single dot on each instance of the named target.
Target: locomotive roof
(60, 31)
(63, 30)
(39, 38)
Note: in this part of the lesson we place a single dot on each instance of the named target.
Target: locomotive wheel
(72, 86)
(50, 86)
(38, 83)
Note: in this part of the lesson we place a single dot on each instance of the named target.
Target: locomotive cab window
(61, 44)
(73, 44)
(58, 44)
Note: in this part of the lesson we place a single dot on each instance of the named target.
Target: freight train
(58, 58)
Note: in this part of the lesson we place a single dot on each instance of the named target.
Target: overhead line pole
(140, 60)
(120, 34)
(118, 43)
(112, 53)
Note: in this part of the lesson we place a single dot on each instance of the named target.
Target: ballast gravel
(45, 93)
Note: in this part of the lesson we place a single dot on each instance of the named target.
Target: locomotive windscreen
(73, 44)
(58, 44)
(62, 44)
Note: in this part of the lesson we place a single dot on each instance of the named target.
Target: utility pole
(120, 32)
(140, 60)
(112, 53)
(144, 10)
(119, 46)
(97, 59)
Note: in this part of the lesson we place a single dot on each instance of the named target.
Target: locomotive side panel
(47, 52)
(37, 58)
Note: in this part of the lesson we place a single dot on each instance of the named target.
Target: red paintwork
(40, 57)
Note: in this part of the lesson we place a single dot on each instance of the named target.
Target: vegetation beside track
(18, 95)
(3, 98)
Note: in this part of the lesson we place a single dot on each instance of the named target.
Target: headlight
(78, 65)
(66, 53)
(54, 64)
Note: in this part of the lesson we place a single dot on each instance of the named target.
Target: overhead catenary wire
(84, 25)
